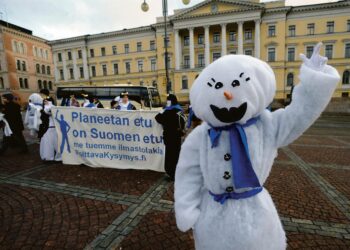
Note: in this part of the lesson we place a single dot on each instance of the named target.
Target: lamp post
(145, 7)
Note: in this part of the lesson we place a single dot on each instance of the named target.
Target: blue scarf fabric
(242, 169)
(190, 117)
(177, 106)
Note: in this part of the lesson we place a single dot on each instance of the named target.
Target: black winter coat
(13, 116)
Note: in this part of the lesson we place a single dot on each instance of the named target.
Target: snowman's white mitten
(316, 62)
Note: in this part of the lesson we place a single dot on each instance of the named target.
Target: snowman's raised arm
(188, 182)
(310, 97)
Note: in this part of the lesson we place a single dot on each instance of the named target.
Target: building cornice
(24, 35)
(315, 7)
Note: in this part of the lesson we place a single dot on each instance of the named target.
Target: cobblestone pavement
(55, 206)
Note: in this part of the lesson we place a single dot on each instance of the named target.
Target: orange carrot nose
(228, 95)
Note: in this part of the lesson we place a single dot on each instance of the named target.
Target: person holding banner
(88, 101)
(48, 135)
(124, 104)
(173, 121)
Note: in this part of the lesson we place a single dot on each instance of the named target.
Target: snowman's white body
(250, 223)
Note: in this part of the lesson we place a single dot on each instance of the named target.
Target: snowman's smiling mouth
(226, 115)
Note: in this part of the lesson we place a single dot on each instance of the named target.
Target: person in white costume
(49, 142)
(225, 162)
(32, 118)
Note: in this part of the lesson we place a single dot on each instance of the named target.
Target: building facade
(199, 35)
(25, 62)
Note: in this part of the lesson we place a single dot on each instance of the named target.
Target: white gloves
(316, 62)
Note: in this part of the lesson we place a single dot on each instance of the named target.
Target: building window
(140, 65)
(291, 54)
(139, 46)
(61, 74)
(81, 71)
(2, 85)
(50, 85)
(93, 71)
(127, 67)
(71, 73)
(348, 26)
(80, 54)
(201, 60)
(271, 54)
(126, 48)
(45, 84)
(69, 55)
(24, 66)
(114, 50)
(37, 68)
(248, 52)
(291, 30)
(216, 37)
(329, 51)
(18, 65)
(216, 55)
(59, 57)
(330, 27)
(290, 79)
(92, 53)
(272, 30)
(115, 69)
(48, 70)
(248, 35)
(40, 86)
(309, 51)
(311, 29)
(233, 52)
(200, 39)
(186, 62)
(46, 54)
(103, 51)
(153, 64)
(26, 83)
(43, 69)
(21, 83)
(152, 45)
(347, 50)
(346, 77)
(104, 69)
(184, 82)
(186, 40)
(232, 36)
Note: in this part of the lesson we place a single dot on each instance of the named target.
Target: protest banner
(110, 138)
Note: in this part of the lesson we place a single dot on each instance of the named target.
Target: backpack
(182, 122)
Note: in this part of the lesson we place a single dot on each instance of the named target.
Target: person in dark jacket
(12, 112)
(45, 94)
(173, 122)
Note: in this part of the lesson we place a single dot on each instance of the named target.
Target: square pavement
(55, 206)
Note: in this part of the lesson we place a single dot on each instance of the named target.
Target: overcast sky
(55, 19)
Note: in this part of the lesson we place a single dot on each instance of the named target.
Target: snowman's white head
(232, 89)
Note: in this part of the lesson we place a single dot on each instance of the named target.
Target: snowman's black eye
(247, 79)
(235, 83)
(219, 85)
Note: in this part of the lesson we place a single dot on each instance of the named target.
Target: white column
(240, 37)
(257, 38)
(57, 73)
(86, 71)
(75, 67)
(223, 39)
(65, 70)
(207, 45)
(191, 48)
(177, 50)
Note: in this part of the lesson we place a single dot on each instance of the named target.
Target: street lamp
(145, 7)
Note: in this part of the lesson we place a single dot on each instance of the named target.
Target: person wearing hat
(88, 101)
(12, 114)
(124, 103)
(45, 94)
(173, 121)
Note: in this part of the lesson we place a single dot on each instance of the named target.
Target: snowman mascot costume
(225, 162)
(32, 117)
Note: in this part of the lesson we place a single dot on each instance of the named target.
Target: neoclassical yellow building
(200, 34)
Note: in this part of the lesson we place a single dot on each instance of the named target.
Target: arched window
(40, 86)
(38, 68)
(184, 82)
(50, 85)
(2, 83)
(290, 79)
(48, 70)
(346, 77)
(45, 84)
(43, 69)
